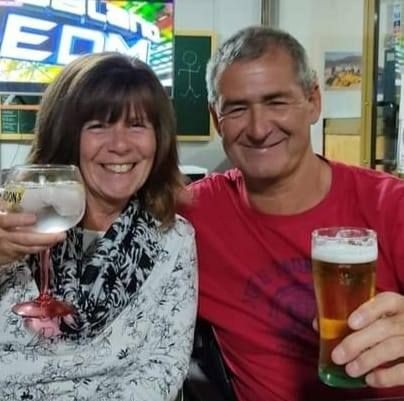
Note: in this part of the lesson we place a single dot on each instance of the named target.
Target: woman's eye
(141, 124)
(138, 124)
(94, 125)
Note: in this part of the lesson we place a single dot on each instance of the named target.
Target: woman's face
(116, 159)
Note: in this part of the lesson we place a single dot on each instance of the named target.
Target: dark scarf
(103, 280)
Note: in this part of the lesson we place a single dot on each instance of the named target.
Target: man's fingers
(357, 343)
(386, 377)
(383, 304)
(314, 323)
(376, 357)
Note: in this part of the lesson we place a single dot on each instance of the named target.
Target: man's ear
(315, 102)
(215, 118)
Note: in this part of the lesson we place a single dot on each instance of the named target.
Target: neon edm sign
(57, 31)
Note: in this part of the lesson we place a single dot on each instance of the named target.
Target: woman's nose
(119, 140)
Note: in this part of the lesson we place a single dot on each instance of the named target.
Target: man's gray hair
(252, 43)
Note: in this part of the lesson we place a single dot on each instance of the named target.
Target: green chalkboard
(20, 119)
(9, 121)
(191, 53)
(26, 118)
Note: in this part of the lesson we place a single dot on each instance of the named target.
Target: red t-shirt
(255, 277)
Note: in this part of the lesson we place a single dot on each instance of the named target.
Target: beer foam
(344, 253)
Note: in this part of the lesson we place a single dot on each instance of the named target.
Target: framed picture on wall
(342, 70)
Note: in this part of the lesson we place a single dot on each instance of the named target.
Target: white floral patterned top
(139, 352)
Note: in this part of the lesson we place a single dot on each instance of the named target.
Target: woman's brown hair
(106, 87)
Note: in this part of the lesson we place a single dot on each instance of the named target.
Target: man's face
(264, 116)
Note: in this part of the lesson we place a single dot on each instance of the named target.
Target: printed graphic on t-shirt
(284, 293)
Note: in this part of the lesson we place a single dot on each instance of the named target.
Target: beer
(344, 262)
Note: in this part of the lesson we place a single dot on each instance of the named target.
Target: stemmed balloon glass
(55, 193)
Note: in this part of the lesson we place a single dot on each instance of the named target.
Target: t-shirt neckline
(324, 203)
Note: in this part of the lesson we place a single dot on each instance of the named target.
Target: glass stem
(44, 261)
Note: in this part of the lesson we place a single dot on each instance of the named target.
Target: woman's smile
(119, 168)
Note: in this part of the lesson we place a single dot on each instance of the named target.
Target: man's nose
(260, 125)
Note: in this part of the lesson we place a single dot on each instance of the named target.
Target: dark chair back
(209, 357)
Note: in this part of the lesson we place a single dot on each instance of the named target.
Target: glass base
(44, 307)
(335, 376)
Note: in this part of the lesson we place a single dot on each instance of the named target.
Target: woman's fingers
(18, 240)
(13, 220)
(32, 239)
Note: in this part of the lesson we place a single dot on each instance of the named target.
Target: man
(254, 223)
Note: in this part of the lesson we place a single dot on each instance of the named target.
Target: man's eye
(277, 103)
(234, 111)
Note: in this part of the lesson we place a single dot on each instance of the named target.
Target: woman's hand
(17, 239)
(376, 348)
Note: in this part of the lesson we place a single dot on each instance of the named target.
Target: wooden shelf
(19, 107)
(16, 137)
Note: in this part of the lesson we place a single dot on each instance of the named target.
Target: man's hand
(376, 348)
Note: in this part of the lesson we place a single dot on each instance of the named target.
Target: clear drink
(55, 193)
(344, 264)
(58, 206)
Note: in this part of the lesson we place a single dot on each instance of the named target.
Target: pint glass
(344, 261)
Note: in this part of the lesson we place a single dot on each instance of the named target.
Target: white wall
(326, 25)
(12, 154)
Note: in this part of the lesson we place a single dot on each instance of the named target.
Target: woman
(129, 269)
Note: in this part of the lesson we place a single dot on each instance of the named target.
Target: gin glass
(55, 193)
